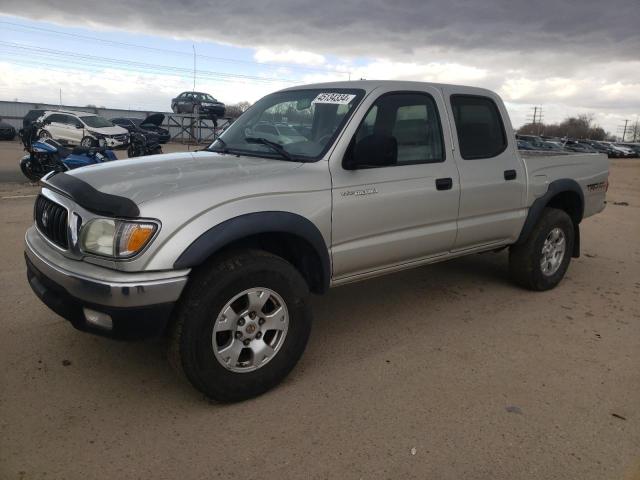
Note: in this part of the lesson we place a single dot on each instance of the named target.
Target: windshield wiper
(274, 146)
(224, 148)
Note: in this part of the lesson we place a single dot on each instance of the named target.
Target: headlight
(116, 238)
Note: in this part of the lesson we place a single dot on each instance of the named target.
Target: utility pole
(194, 66)
(624, 129)
(535, 119)
(61, 97)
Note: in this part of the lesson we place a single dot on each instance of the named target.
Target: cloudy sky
(567, 56)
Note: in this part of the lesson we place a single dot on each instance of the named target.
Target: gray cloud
(530, 51)
(585, 27)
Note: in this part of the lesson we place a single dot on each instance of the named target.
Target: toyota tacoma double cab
(220, 249)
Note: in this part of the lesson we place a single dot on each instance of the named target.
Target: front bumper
(114, 143)
(99, 300)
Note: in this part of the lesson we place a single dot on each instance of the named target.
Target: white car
(82, 128)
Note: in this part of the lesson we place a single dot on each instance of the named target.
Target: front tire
(541, 262)
(242, 325)
(88, 142)
(27, 168)
(44, 135)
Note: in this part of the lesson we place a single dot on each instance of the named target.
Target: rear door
(397, 214)
(492, 175)
(55, 125)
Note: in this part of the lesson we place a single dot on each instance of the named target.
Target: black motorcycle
(141, 144)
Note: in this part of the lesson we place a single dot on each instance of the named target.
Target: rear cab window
(479, 126)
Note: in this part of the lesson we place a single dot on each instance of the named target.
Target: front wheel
(88, 142)
(30, 170)
(541, 262)
(242, 325)
(44, 135)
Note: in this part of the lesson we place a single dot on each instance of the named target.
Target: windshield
(96, 122)
(205, 97)
(304, 122)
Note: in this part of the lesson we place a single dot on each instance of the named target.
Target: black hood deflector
(91, 199)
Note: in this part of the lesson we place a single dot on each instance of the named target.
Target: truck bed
(590, 170)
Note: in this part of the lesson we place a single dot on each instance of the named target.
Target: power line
(104, 62)
(169, 51)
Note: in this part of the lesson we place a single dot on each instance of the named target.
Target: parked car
(626, 149)
(32, 116)
(82, 128)
(7, 131)
(576, 146)
(617, 152)
(533, 140)
(198, 103)
(633, 146)
(603, 147)
(221, 247)
(522, 145)
(149, 124)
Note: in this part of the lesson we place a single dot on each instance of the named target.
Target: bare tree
(237, 109)
(581, 126)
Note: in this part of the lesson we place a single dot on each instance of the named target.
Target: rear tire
(542, 260)
(217, 316)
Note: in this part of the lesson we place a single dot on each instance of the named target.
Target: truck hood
(149, 178)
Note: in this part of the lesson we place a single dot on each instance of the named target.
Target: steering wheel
(324, 138)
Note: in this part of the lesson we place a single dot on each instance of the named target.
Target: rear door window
(479, 126)
(56, 118)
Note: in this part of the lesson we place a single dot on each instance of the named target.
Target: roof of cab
(370, 85)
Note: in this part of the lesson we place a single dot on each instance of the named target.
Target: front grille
(51, 220)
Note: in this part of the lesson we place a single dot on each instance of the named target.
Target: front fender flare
(255, 223)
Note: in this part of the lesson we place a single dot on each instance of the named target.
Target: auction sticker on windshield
(334, 98)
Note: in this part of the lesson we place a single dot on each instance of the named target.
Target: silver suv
(220, 248)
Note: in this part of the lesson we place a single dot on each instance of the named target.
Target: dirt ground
(442, 372)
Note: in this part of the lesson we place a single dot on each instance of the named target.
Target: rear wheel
(242, 325)
(541, 262)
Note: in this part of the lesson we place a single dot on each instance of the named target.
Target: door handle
(444, 183)
(510, 174)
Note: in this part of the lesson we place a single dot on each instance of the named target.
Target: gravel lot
(442, 372)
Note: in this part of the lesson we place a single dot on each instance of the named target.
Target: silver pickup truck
(312, 187)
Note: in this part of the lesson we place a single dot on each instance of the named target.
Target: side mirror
(372, 151)
(78, 126)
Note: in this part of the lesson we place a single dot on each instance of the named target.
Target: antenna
(194, 66)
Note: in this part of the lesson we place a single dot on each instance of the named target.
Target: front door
(492, 175)
(396, 214)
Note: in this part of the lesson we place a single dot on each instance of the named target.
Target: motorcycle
(141, 144)
(46, 155)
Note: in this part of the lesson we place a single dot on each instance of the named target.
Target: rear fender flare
(535, 211)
